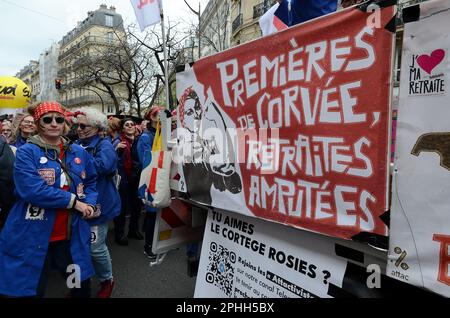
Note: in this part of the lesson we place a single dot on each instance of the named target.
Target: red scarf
(128, 162)
(60, 228)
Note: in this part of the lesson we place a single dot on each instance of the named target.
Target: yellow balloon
(13, 93)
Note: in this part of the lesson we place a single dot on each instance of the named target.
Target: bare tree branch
(193, 11)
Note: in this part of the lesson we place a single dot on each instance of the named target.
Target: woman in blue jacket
(88, 124)
(56, 191)
(24, 128)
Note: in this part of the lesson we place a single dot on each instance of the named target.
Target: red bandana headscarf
(47, 107)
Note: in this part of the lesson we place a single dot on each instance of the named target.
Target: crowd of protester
(67, 175)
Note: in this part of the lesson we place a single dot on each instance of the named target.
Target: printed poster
(244, 257)
(296, 134)
(420, 224)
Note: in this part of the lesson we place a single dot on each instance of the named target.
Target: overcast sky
(28, 27)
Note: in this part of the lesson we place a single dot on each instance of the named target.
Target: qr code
(220, 271)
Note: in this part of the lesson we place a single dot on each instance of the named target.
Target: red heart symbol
(428, 63)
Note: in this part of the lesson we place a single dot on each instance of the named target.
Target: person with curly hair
(88, 124)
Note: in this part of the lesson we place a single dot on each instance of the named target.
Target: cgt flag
(293, 12)
(148, 12)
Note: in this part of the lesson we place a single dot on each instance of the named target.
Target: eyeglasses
(48, 120)
(80, 126)
(28, 122)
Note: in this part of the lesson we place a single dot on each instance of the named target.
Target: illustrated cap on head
(47, 107)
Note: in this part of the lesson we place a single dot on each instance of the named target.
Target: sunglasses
(49, 120)
(80, 126)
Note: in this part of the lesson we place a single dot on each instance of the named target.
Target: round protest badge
(43, 160)
(83, 175)
(77, 161)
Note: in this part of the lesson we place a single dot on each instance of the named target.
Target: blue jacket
(25, 238)
(105, 161)
(112, 139)
(304, 10)
(20, 142)
(144, 149)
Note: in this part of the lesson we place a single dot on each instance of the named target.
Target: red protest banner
(294, 127)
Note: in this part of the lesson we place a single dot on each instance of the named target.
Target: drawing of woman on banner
(208, 156)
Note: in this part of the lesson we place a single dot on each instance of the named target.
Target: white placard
(420, 222)
(147, 12)
(244, 257)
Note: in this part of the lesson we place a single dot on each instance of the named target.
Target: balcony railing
(86, 99)
(88, 40)
(81, 61)
(237, 23)
(262, 8)
(63, 71)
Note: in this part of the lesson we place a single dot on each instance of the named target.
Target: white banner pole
(166, 72)
(164, 120)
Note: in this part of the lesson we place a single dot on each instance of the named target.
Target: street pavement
(135, 278)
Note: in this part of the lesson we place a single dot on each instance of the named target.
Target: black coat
(6, 180)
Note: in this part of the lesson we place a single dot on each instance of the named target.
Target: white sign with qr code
(245, 257)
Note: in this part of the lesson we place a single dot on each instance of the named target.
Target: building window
(110, 109)
(109, 37)
(109, 20)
